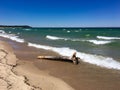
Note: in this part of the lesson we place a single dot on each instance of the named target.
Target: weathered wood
(74, 59)
(54, 57)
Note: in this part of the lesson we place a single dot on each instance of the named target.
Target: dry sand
(8, 79)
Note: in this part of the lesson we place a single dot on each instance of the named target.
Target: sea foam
(1, 31)
(60, 38)
(53, 37)
(107, 38)
(11, 36)
(98, 60)
(97, 42)
(68, 31)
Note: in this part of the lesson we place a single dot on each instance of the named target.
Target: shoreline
(81, 77)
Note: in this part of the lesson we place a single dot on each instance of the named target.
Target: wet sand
(81, 77)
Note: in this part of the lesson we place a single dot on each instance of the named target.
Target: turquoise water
(103, 42)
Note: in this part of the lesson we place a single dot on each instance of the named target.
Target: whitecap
(76, 31)
(107, 38)
(27, 29)
(99, 42)
(68, 31)
(18, 33)
(60, 38)
(9, 32)
(96, 42)
(87, 35)
(53, 37)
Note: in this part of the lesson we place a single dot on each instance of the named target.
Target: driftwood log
(74, 59)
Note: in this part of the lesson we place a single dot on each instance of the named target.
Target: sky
(60, 13)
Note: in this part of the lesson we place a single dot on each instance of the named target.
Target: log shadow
(62, 60)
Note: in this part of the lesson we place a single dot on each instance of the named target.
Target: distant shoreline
(15, 26)
(27, 26)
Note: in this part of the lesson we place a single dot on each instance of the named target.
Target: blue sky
(60, 13)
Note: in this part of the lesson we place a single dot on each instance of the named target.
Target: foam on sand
(101, 61)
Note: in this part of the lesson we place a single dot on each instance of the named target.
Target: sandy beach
(16, 74)
(57, 75)
(60, 45)
(8, 79)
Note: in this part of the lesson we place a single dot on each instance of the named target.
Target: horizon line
(60, 26)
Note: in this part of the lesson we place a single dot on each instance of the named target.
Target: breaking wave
(11, 36)
(1, 31)
(107, 38)
(60, 38)
(101, 61)
(99, 42)
(96, 42)
(53, 37)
